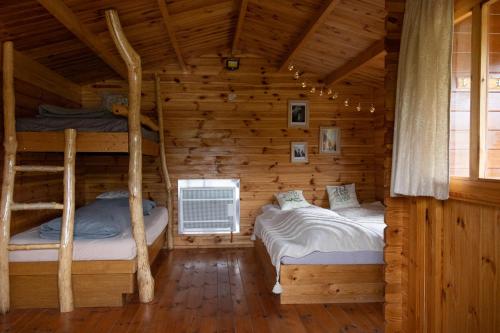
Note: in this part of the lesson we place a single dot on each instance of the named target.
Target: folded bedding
(100, 219)
(299, 232)
(53, 111)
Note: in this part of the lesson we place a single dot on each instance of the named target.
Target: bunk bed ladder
(65, 246)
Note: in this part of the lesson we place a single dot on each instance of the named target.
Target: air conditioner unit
(209, 206)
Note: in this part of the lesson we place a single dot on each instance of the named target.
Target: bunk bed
(67, 282)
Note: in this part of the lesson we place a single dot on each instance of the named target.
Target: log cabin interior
(250, 166)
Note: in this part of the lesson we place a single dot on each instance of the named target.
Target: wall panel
(209, 136)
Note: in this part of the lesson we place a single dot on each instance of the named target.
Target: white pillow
(113, 195)
(291, 200)
(343, 196)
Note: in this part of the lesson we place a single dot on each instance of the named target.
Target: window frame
(478, 92)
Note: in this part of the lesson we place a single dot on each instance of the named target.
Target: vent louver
(208, 206)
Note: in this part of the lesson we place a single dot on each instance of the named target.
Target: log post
(68, 219)
(133, 62)
(163, 160)
(10, 147)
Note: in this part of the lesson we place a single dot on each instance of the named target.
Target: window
(490, 128)
(475, 105)
(460, 99)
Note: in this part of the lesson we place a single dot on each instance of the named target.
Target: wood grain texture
(397, 211)
(207, 136)
(64, 283)
(453, 252)
(316, 284)
(103, 142)
(68, 18)
(134, 75)
(102, 283)
(205, 291)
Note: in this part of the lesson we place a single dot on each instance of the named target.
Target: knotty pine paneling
(208, 136)
(396, 216)
(35, 187)
(453, 255)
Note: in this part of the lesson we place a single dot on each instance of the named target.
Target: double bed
(315, 255)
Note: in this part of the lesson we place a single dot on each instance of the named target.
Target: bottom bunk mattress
(120, 247)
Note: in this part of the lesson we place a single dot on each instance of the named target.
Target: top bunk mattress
(121, 247)
(108, 124)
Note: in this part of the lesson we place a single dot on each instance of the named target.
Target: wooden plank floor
(204, 291)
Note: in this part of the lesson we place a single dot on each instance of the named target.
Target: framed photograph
(298, 152)
(329, 140)
(298, 113)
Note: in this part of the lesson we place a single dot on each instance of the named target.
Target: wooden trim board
(312, 284)
(95, 283)
(86, 142)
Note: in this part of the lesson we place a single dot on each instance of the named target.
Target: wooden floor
(204, 291)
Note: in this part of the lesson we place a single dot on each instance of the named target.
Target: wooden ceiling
(327, 38)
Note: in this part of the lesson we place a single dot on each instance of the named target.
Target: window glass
(460, 99)
(491, 118)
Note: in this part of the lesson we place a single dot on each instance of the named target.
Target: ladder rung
(39, 168)
(42, 246)
(36, 206)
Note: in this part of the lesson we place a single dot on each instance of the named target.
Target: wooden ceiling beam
(239, 26)
(308, 33)
(28, 70)
(167, 22)
(68, 18)
(365, 56)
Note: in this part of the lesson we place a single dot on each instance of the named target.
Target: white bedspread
(121, 247)
(302, 231)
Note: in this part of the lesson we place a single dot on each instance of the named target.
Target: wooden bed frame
(310, 284)
(96, 283)
(86, 142)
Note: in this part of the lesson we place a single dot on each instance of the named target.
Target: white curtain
(420, 165)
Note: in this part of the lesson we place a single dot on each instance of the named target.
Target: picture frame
(329, 140)
(299, 152)
(298, 113)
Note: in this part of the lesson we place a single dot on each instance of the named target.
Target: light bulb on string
(313, 90)
(296, 75)
(372, 108)
(358, 107)
(321, 92)
(330, 91)
(303, 84)
(291, 67)
(346, 102)
(335, 95)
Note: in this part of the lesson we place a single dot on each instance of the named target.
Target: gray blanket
(109, 124)
(103, 218)
(53, 111)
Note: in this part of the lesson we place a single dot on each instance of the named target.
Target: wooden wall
(208, 136)
(454, 251)
(441, 256)
(34, 187)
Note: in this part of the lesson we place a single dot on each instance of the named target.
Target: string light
(328, 91)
